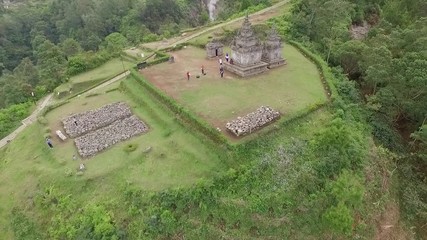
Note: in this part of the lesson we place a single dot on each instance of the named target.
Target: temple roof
(246, 36)
(273, 35)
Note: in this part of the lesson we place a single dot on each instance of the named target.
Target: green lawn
(177, 159)
(289, 89)
(109, 69)
(93, 77)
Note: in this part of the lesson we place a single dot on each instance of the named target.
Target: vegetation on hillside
(44, 43)
(319, 177)
(389, 68)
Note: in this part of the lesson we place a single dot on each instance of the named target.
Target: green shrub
(10, 118)
(42, 120)
(47, 130)
(130, 147)
(112, 90)
(92, 95)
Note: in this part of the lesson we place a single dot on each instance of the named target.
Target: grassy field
(288, 89)
(177, 158)
(93, 77)
(109, 69)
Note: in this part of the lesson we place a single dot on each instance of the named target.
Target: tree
(337, 147)
(70, 47)
(27, 72)
(115, 42)
(420, 141)
(349, 55)
(52, 64)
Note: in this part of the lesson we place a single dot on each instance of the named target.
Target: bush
(10, 118)
(112, 90)
(92, 95)
(47, 130)
(130, 147)
(42, 120)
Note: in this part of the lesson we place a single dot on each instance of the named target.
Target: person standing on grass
(203, 70)
(188, 76)
(226, 57)
(49, 142)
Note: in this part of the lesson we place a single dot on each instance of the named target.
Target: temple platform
(245, 71)
(276, 63)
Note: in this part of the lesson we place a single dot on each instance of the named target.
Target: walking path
(178, 40)
(42, 104)
(27, 121)
(33, 117)
(114, 79)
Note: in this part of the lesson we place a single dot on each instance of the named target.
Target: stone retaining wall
(253, 121)
(120, 130)
(81, 123)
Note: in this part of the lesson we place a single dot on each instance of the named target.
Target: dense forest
(324, 185)
(43, 43)
(388, 65)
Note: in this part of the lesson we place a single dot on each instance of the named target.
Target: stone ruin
(246, 52)
(249, 56)
(81, 123)
(253, 121)
(98, 140)
(272, 52)
(214, 48)
(101, 128)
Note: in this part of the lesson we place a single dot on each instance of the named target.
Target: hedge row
(174, 48)
(128, 90)
(182, 113)
(324, 70)
(245, 147)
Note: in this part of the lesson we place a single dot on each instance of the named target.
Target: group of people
(221, 67)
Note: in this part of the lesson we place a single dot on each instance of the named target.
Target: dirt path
(113, 80)
(182, 39)
(27, 121)
(48, 99)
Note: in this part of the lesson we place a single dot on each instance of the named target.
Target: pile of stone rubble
(253, 121)
(98, 140)
(98, 129)
(82, 123)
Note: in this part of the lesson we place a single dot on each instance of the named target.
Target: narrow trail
(27, 121)
(159, 45)
(113, 80)
(45, 102)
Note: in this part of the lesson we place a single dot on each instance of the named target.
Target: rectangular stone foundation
(276, 63)
(245, 71)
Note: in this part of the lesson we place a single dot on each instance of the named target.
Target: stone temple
(248, 55)
(272, 53)
(214, 48)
